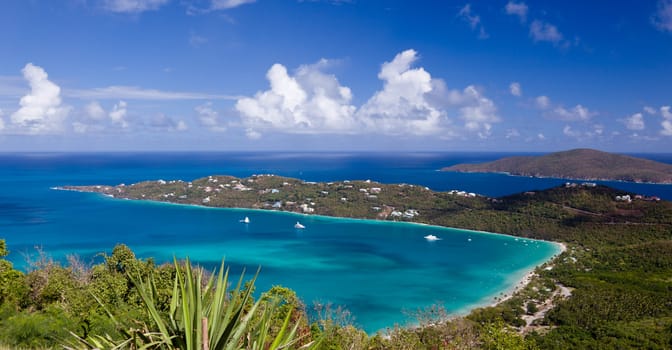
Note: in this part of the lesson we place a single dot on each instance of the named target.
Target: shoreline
(522, 282)
(319, 216)
(513, 284)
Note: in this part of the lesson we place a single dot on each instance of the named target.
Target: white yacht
(246, 220)
(432, 238)
(298, 225)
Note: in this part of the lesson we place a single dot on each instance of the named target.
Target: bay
(377, 270)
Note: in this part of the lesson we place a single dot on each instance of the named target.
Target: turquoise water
(379, 271)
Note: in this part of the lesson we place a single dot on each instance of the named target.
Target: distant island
(580, 164)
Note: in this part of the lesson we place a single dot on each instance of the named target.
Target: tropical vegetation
(611, 288)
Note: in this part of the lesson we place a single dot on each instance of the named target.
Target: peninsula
(580, 164)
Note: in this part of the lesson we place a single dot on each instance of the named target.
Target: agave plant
(202, 316)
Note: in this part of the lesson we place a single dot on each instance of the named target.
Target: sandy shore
(525, 280)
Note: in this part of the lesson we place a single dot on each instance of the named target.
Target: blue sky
(135, 75)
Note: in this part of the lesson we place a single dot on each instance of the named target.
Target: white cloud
(79, 127)
(516, 89)
(649, 110)
(133, 6)
(94, 111)
(474, 20)
(308, 102)
(402, 106)
(665, 112)
(252, 135)
(597, 131)
(577, 113)
(667, 121)
(137, 93)
(635, 122)
(118, 114)
(197, 40)
(411, 102)
(542, 31)
(568, 131)
(164, 122)
(517, 9)
(228, 4)
(662, 19)
(2, 122)
(512, 133)
(667, 127)
(480, 112)
(543, 102)
(41, 110)
(541, 136)
(209, 117)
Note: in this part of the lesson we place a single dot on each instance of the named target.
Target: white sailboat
(299, 226)
(246, 220)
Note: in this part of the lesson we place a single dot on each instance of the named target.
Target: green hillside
(585, 164)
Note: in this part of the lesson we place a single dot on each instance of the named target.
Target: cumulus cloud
(662, 19)
(410, 102)
(133, 6)
(118, 114)
(311, 101)
(197, 40)
(41, 110)
(542, 31)
(512, 133)
(543, 102)
(402, 105)
(667, 121)
(209, 117)
(480, 112)
(252, 135)
(541, 136)
(516, 89)
(164, 122)
(665, 112)
(94, 111)
(568, 131)
(635, 122)
(649, 110)
(474, 21)
(577, 113)
(556, 111)
(597, 131)
(517, 9)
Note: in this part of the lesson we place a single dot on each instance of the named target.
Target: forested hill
(585, 164)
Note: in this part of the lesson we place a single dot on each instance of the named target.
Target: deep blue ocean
(378, 271)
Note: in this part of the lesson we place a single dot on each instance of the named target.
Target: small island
(579, 164)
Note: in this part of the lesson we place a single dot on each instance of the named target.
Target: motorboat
(246, 220)
(432, 238)
(299, 226)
